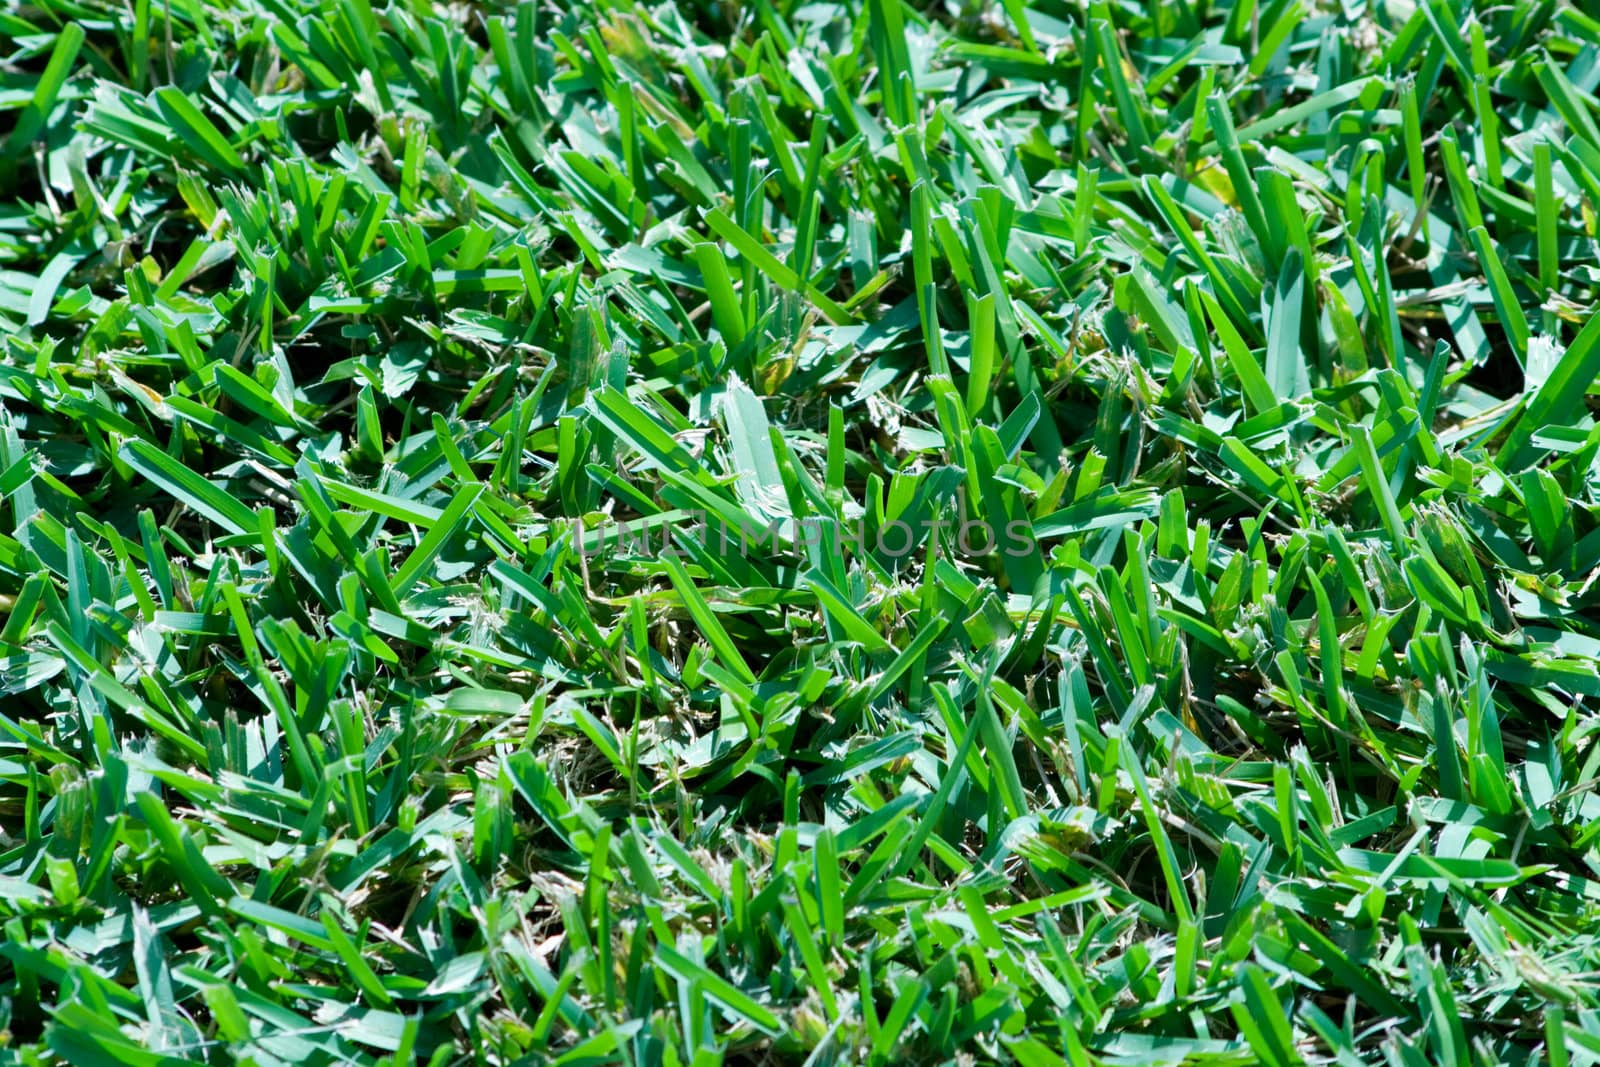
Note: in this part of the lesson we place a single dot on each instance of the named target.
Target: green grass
(371, 381)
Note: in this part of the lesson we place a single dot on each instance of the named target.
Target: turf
(883, 533)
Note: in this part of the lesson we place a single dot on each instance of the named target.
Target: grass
(373, 690)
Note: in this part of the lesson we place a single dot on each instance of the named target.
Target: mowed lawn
(881, 533)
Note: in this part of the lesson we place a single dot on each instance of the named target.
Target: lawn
(884, 532)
